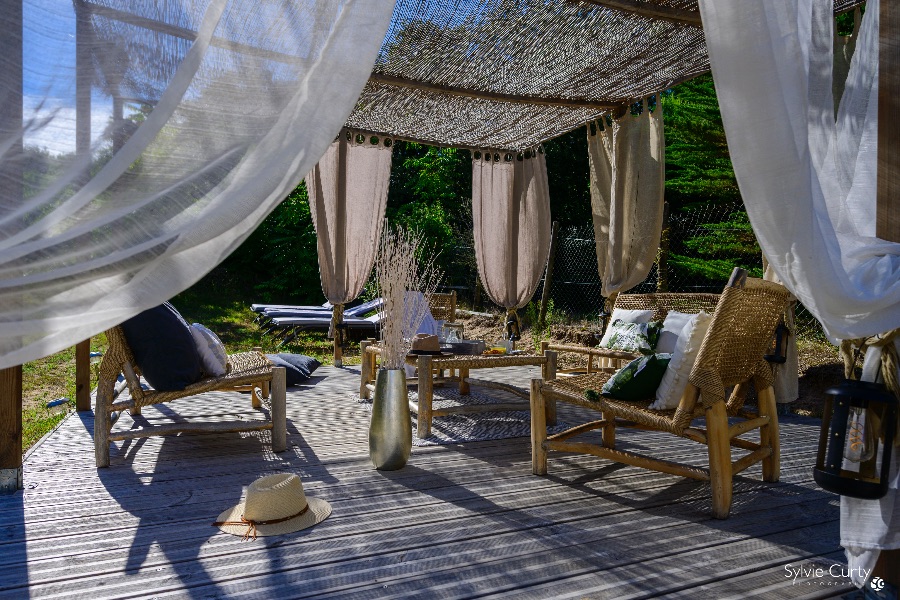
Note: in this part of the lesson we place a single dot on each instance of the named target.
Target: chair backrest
(661, 303)
(443, 306)
(739, 335)
(120, 359)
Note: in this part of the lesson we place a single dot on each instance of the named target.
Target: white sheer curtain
(153, 138)
(511, 224)
(627, 195)
(809, 183)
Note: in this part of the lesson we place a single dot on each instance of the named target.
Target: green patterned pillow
(633, 337)
(638, 379)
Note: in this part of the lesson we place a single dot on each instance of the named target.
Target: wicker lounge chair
(245, 369)
(731, 355)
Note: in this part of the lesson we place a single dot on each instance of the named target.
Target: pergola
(480, 75)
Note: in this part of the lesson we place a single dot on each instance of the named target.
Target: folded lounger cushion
(369, 323)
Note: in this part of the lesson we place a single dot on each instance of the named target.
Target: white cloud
(51, 122)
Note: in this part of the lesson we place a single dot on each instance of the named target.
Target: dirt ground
(820, 365)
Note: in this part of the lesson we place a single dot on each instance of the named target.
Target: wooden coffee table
(463, 364)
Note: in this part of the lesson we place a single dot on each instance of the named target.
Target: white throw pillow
(674, 382)
(629, 316)
(212, 351)
(672, 328)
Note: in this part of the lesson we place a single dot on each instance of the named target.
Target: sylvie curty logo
(835, 575)
(877, 584)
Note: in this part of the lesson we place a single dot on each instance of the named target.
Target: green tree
(279, 259)
(698, 166)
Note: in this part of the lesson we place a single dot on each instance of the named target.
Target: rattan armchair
(245, 369)
(731, 355)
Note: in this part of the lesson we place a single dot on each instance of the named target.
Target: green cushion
(638, 379)
(633, 337)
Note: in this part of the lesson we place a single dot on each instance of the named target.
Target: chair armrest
(588, 351)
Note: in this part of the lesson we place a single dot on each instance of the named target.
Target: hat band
(251, 524)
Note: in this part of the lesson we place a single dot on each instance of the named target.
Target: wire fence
(699, 248)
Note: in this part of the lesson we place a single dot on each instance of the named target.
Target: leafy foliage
(568, 177)
(280, 256)
(718, 248)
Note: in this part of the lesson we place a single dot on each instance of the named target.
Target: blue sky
(49, 78)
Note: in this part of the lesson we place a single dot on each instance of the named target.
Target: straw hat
(424, 343)
(275, 505)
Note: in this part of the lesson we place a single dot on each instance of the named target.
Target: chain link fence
(699, 248)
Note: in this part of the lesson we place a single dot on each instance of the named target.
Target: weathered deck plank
(459, 521)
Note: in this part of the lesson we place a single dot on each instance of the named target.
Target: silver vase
(390, 432)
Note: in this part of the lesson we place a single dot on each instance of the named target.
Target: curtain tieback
(335, 330)
(513, 325)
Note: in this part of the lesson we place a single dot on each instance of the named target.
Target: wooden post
(11, 429)
(538, 428)
(11, 165)
(83, 376)
(338, 335)
(279, 409)
(887, 220)
(548, 275)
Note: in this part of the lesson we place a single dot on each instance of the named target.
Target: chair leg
(538, 429)
(719, 459)
(769, 435)
(102, 425)
(279, 409)
(609, 430)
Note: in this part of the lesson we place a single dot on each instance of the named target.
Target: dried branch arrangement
(406, 287)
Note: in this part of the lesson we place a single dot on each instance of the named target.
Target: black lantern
(604, 320)
(778, 350)
(858, 428)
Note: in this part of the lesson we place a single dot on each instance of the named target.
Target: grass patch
(37, 421)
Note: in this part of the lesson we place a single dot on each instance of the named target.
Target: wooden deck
(461, 521)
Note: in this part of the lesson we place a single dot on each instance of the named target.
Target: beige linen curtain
(511, 220)
(347, 196)
(627, 162)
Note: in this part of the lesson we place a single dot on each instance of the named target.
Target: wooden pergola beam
(651, 11)
(11, 191)
(887, 219)
(186, 34)
(493, 96)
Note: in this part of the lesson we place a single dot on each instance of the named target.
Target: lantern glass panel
(858, 428)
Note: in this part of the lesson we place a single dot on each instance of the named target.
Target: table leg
(464, 380)
(426, 395)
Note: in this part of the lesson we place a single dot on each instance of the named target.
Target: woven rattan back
(120, 359)
(443, 306)
(662, 303)
(739, 335)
